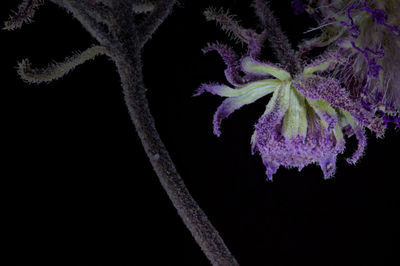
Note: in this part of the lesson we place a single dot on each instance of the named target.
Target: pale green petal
(282, 95)
(232, 104)
(295, 120)
(345, 119)
(303, 122)
(268, 85)
(338, 134)
(318, 67)
(252, 66)
(325, 111)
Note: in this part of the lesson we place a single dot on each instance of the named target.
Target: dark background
(77, 188)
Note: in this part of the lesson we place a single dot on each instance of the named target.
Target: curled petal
(229, 105)
(328, 165)
(320, 65)
(230, 59)
(214, 88)
(250, 65)
(351, 127)
(271, 168)
(362, 143)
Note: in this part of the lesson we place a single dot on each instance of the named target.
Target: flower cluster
(368, 34)
(307, 117)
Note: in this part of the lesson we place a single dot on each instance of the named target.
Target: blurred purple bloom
(367, 34)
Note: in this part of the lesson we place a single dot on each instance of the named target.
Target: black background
(77, 188)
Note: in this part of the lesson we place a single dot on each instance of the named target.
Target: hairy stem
(193, 217)
(123, 42)
(127, 57)
(276, 37)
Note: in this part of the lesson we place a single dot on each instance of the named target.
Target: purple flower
(308, 115)
(305, 120)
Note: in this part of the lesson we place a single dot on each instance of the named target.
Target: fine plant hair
(25, 13)
(121, 35)
(227, 23)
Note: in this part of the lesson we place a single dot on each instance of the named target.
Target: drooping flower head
(308, 115)
(368, 34)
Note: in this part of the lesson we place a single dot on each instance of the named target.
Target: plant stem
(193, 217)
(276, 37)
(123, 42)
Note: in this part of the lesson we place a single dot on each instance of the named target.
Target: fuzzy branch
(121, 39)
(57, 70)
(193, 217)
(227, 22)
(127, 57)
